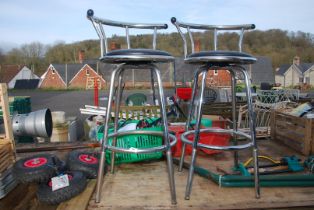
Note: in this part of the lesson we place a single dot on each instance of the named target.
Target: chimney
(296, 60)
(114, 46)
(81, 56)
(197, 46)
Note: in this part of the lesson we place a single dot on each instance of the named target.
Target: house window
(307, 80)
(53, 71)
(301, 79)
(87, 72)
(216, 72)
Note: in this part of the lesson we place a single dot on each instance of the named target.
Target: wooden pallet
(6, 155)
(295, 132)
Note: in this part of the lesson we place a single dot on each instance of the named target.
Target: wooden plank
(293, 131)
(145, 186)
(4, 104)
(81, 201)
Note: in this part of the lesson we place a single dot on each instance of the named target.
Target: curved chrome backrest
(215, 28)
(99, 22)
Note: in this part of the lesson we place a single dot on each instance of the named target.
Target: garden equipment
(77, 183)
(240, 180)
(84, 161)
(37, 168)
(36, 124)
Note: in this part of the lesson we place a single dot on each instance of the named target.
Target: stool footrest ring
(173, 141)
(221, 131)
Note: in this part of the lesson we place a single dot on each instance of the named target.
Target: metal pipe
(212, 27)
(241, 39)
(191, 39)
(215, 39)
(154, 38)
(196, 135)
(105, 137)
(252, 130)
(90, 16)
(116, 119)
(127, 37)
(234, 117)
(191, 110)
(166, 137)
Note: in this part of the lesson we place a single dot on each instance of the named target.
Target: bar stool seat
(137, 55)
(220, 57)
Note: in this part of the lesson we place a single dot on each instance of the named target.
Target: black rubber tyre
(84, 161)
(37, 168)
(77, 183)
(61, 165)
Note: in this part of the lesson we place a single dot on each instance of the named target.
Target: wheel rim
(35, 162)
(89, 159)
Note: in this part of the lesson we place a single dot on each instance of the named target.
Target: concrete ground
(71, 101)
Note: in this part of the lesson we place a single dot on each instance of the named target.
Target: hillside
(281, 46)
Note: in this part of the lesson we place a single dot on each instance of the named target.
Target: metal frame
(98, 24)
(234, 132)
(170, 140)
(214, 28)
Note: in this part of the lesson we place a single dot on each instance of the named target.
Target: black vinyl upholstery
(225, 57)
(137, 55)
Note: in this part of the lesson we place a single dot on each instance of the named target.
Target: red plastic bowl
(184, 93)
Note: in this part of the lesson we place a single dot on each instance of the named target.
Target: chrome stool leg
(196, 135)
(191, 111)
(105, 139)
(166, 137)
(253, 131)
(116, 119)
(234, 115)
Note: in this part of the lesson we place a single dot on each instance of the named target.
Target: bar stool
(132, 59)
(217, 60)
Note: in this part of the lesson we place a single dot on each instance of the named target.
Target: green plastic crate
(20, 105)
(139, 141)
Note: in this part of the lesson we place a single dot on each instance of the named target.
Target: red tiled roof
(8, 72)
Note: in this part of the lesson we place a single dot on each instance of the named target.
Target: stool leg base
(100, 176)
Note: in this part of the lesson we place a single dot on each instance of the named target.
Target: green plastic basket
(139, 141)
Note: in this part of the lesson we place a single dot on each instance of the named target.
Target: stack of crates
(20, 105)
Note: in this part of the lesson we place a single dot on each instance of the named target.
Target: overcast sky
(25, 21)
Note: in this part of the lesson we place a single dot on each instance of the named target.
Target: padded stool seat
(137, 55)
(224, 57)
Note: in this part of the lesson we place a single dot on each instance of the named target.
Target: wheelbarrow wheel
(77, 183)
(37, 168)
(84, 161)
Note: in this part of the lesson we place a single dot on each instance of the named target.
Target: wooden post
(4, 104)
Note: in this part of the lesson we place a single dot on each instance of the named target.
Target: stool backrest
(215, 28)
(98, 24)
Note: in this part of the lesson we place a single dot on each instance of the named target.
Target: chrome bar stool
(217, 60)
(132, 59)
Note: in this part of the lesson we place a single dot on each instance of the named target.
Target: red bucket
(205, 138)
(184, 93)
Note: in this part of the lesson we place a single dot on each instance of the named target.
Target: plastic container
(207, 123)
(58, 117)
(184, 93)
(60, 133)
(134, 141)
(72, 129)
(205, 138)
